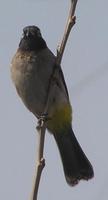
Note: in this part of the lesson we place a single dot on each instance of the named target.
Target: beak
(26, 34)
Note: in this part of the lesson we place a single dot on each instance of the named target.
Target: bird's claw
(42, 119)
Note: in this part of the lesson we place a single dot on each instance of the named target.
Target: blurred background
(85, 66)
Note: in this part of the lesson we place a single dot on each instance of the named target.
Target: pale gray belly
(33, 92)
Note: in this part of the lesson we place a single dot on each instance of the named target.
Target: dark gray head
(32, 31)
(32, 39)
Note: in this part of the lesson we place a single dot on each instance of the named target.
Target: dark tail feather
(75, 163)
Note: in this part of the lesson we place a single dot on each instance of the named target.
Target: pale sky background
(85, 65)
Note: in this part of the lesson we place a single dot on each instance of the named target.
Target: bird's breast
(30, 74)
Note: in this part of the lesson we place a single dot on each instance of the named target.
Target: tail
(75, 163)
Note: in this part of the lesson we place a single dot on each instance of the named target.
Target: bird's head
(31, 32)
(32, 39)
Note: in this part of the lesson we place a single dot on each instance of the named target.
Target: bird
(32, 67)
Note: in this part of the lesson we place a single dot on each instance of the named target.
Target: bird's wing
(58, 77)
(63, 81)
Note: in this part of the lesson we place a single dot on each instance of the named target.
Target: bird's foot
(42, 119)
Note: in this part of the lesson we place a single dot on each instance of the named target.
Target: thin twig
(60, 50)
(70, 23)
(43, 120)
(40, 161)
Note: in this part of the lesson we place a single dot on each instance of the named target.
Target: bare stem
(42, 121)
(70, 23)
(40, 161)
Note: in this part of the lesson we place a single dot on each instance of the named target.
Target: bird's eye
(38, 33)
(25, 31)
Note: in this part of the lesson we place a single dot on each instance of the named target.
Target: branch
(70, 23)
(43, 119)
(40, 161)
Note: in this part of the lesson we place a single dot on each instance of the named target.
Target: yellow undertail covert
(61, 118)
